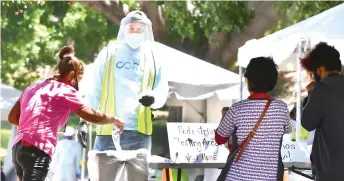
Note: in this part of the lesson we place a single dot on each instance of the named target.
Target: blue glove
(78, 176)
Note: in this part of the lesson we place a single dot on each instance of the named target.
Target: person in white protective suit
(65, 163)
(128, 81)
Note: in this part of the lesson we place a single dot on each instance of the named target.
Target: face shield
(135, 30)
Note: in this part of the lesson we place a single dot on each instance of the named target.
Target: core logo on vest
(131, 64)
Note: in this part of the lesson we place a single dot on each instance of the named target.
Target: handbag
(241, 148)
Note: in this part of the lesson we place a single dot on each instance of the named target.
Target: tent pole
(241, 86)
(205, 115)
(298, 92)
(83, 163)
(90, 137)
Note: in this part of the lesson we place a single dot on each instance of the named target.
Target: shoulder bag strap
(243, 145)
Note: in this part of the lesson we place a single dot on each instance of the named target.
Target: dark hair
(262, 74)
(225, 109)
(68, 62)
(322, 55)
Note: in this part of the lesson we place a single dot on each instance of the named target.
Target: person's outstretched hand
(118, 123)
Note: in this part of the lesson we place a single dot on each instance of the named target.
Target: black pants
(31, 163)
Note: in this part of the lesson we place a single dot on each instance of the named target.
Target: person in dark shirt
(3, 178)
(324, 112)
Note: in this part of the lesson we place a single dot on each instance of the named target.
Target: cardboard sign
(292, 151)
(287, 150)
(194, 143)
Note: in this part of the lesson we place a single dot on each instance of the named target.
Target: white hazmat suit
(65, 165)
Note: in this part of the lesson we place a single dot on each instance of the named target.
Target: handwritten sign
(292, 151)
(287, 151)
(195, 142)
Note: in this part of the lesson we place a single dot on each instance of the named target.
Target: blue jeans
(130, 140)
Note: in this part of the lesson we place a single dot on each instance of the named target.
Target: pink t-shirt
(44, 109)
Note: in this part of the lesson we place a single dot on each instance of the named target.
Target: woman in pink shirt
(42, 110)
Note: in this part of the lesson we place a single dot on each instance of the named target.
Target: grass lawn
(5, 135)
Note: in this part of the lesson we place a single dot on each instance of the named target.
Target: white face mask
(134, 40)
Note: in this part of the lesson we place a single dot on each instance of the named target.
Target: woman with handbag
(257, 125)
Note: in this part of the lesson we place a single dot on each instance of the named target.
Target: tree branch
(226, 46)
(221, 46)
(266, 16)
(114, 10)
(155, 14)
(217, 42)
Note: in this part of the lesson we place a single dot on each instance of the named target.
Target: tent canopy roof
(327, 26)
(180, 67)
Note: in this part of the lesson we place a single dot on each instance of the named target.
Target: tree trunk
(224, 54)
(221, 47)
(114, 10)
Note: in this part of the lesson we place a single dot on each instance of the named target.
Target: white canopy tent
(327, 26)
(190, 77)
(232, 92)
(9, 96)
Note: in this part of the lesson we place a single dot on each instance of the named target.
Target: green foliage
(5, 134)
(32, 35)
(31, 39)
(133, 4)
(73, 121)
(197, 19)
(291, 12)
(223, 16)
(33, 32)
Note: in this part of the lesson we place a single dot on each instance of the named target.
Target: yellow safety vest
(107, 96)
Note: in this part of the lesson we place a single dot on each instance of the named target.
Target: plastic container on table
(118, 165)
